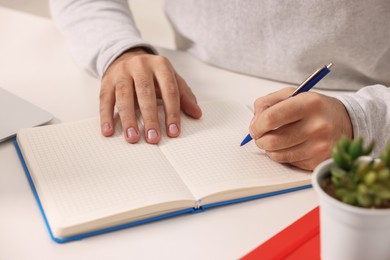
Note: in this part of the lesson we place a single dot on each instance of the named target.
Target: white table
(36, 65)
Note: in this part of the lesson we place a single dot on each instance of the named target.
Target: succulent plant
(362, 183)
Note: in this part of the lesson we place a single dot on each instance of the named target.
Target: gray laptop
(17, 113)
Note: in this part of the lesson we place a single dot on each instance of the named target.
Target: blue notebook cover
(139, 222)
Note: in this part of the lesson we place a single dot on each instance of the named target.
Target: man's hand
(136, 80)
(301, 130)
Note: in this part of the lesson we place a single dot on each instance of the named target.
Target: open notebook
(88, 184)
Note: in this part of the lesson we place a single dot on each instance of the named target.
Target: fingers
(303, 144)
(168, 87)
(176, 95)
(187, 99)
(124, 94)
(276, 115)
(284, 137)
(306, 155)
(146, 95)
(106, 107)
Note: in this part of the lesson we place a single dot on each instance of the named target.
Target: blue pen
(306, 85)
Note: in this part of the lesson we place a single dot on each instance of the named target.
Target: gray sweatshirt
(262, 38)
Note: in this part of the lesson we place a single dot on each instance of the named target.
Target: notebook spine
(197, 208)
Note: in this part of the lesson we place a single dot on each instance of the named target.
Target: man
(260, 38)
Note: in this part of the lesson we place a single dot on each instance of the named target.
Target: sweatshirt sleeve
(97, 31)
(369, 110)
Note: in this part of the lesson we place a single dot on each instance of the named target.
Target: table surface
(35, 64)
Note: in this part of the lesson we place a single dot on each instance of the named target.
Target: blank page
(208, 156)
(81, 176)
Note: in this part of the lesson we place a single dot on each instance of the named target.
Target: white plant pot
(349, 232)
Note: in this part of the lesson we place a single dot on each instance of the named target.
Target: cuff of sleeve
(108, 55)
(357, 115)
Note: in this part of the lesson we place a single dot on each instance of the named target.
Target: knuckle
(275, 157)
(268, 142)
(272, 142)
(174, 116)
(260, 143)
(139, 60)
(103, 109)
(287, 157)
(104, 95)
(149, 121)
(326, 128)
(106, 81)
(122, 89)
(171, 89)
(282, 157)
(121, 107)
(146, 109)
(267, 120)
(323, 128)
(258, 103)
(162, 61)
(144, 88)
(314, 100)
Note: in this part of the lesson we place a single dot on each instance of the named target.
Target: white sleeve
(369, 110)
(98, 31)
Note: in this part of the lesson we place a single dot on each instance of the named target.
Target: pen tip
(246, 140)
(329, 65)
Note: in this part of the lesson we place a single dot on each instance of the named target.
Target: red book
(300, 240)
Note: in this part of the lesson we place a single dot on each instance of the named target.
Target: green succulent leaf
(338, 172)
(343, 144)
(370, 178)
(356, 148)
(362, 189)
(364, 201)
(342, 159)
(362, 168)
(384, 174)
(341, 192)
(383, 194)
(349, 198)
(385, 156)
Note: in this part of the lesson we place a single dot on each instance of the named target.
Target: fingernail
(132, 133)
(106, 127)
(173, 129)
(152, 134)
